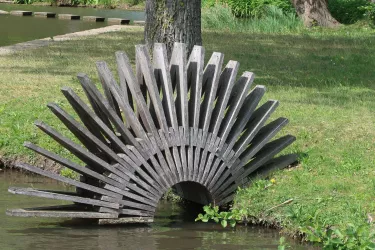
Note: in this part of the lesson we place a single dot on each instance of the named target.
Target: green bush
(250, 8)
(273, 20)
(23, 1)
(369, 12)
(347, 11)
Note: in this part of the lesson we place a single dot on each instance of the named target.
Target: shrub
(273, 20)
(347, 11)
(250, 8)
(369, 12)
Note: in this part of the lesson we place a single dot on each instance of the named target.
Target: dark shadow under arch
(193, 191)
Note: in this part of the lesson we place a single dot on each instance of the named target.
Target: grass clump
(273, 20)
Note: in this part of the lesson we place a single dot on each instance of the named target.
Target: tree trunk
(169, 21)
(315, 12)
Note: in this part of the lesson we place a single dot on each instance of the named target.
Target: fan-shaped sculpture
(171, 124)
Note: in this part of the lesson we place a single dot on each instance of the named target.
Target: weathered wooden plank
(263, 136)
(150, 81)
(125, 161)
(246, 111)
(99, 100)
(67, 180)
(109, 83)
(56, 196)
(162, 74)
(197, 153)
(210, 84)
(194, 83)
(238, 95)
(59, 214)
(135, 87)
(139, 197)
(226, 83)
(136, 212)
(73, 166)
(163, 162)
(255, 123)
(264, 155)
(125, 220)
(178, 72)
(272, 165)
(84, 155)
(172, 166)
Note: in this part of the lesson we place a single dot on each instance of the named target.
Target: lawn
(325, 85)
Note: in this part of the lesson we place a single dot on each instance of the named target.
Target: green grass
(325, 84)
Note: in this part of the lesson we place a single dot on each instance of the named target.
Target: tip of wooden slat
(82, 75)
(125, 220)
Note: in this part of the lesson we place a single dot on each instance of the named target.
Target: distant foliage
(251, 8)
(273, 20)
(23, 1)
(348, 11)
(369, 12)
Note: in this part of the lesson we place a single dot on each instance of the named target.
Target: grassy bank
(325, 84)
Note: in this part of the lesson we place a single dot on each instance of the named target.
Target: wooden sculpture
(171, 124)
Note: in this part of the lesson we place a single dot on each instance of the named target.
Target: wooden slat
(194, 81)
(150, 81)
(238, 95)
(59, 214)
(226, 83)
(178, 72)
(57, 196)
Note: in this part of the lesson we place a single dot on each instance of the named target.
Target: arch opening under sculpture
(193, 191)
(169, 123)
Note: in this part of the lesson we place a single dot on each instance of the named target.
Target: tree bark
(315, 13)
(169, 21)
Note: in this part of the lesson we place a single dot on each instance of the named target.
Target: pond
(173, 227)
(16, 29)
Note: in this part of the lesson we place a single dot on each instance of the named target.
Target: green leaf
(224, 223)
(232, 223)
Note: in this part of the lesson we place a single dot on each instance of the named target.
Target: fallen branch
(281, 204)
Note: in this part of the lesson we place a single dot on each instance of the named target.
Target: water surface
(16, 29)
(173, 227)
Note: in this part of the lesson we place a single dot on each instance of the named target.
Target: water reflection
(173, 228)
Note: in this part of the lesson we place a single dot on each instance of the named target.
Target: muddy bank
(38, 161)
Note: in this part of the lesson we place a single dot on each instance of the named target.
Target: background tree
(169, 21)
(315, 12)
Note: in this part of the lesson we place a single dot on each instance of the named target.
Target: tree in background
(169, 21)
(315, 12)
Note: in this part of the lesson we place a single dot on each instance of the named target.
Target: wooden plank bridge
(170, 124)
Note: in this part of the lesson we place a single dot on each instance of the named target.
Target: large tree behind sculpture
(315, 12)
(169, 21)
